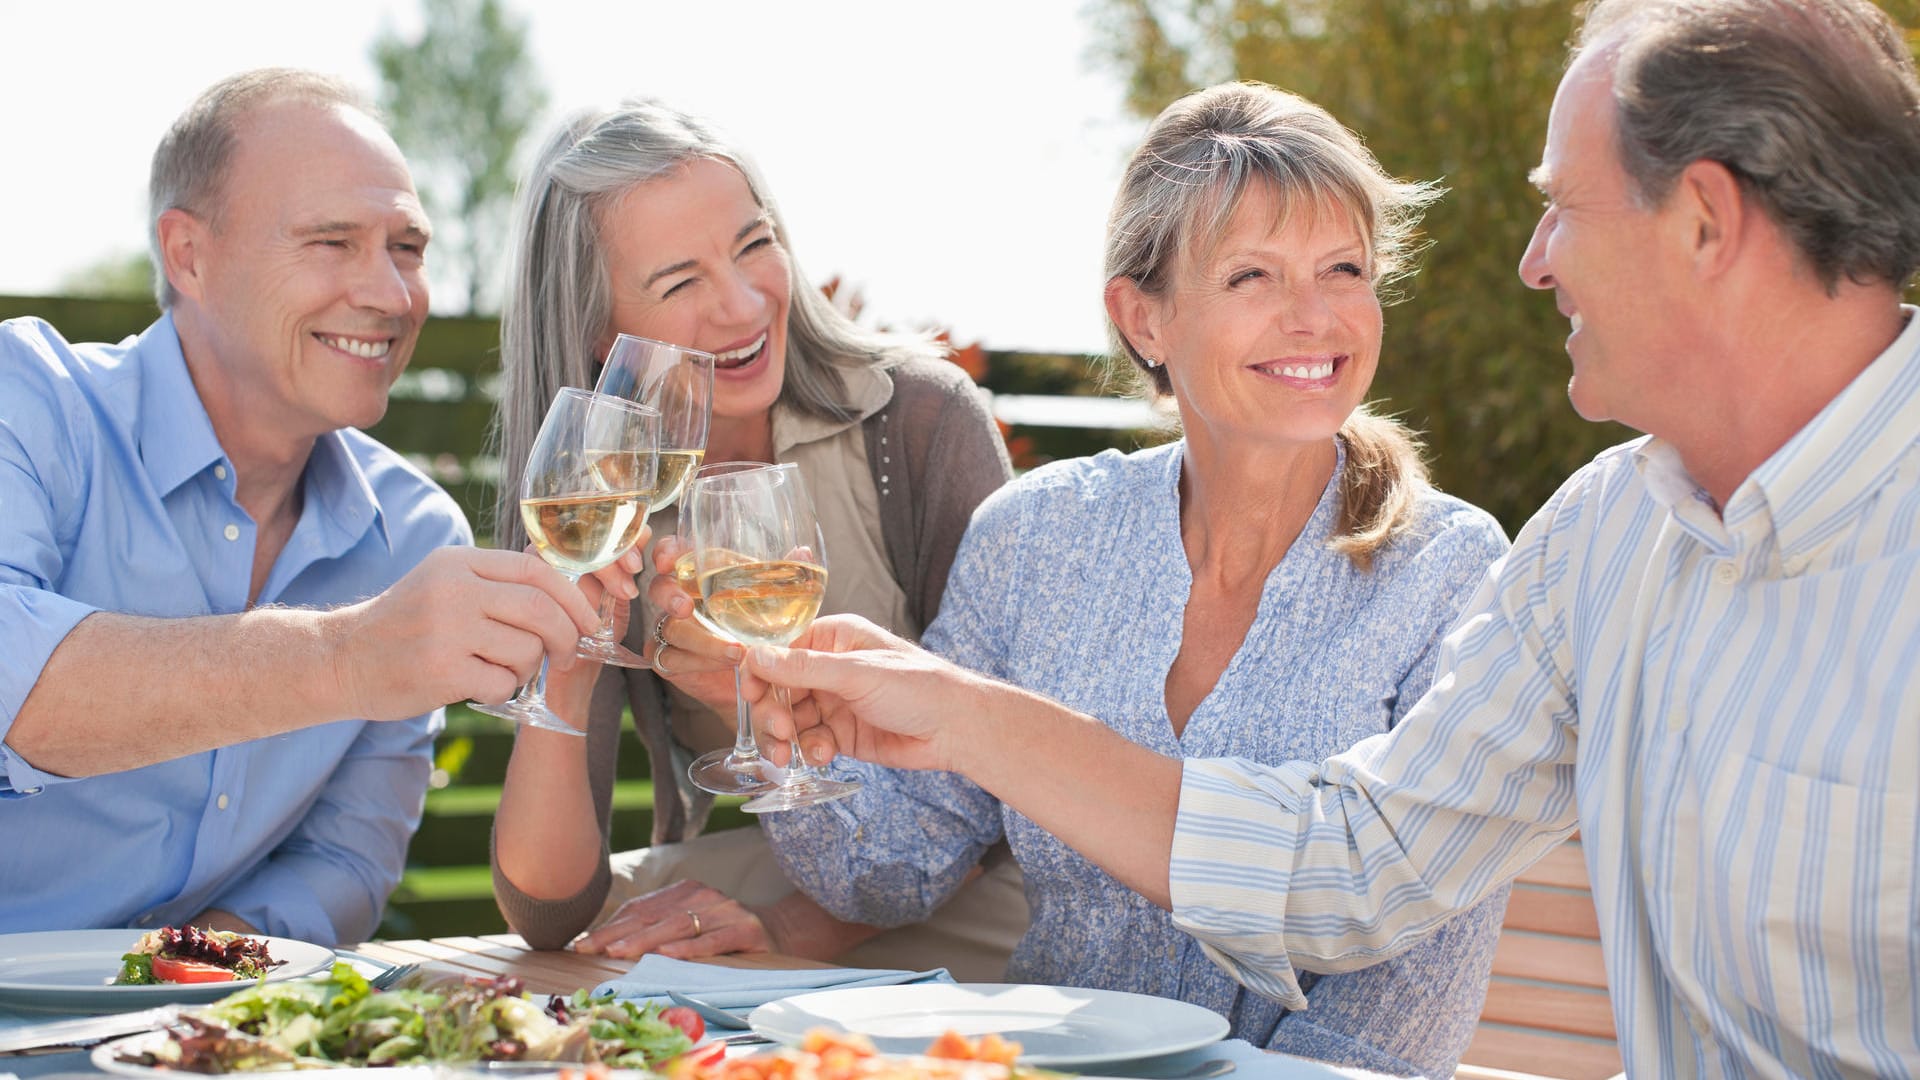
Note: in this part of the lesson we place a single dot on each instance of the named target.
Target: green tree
(461, 97)
(125, 275)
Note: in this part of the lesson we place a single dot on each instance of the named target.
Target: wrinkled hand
(465, 623)
(699, 662)
(869, 694)
(660, 922)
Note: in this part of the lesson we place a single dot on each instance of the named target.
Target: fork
(392, 976)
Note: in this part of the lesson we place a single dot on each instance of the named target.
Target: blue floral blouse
(1073, 582)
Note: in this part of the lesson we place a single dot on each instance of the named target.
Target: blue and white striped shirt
(1729, 710)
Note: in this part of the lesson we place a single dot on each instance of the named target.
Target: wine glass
(677, 381)
(583, 499)
(740, 769)
(760, 564)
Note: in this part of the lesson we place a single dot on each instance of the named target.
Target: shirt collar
(176, 436)
(868, 391)
(1815, 484)
(177, 443)
(338, 487)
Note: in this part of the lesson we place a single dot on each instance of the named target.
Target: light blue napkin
(746, 988)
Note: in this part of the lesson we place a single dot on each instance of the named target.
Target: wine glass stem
(535, 692)
(744, 746)
(604, 632)
(798, 771)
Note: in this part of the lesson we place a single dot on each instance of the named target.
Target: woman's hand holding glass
(700, 663)
(584, 500)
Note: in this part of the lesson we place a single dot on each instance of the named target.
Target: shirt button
(1726, 573)
(221, 802)
(231, 532)
(219, 472)
(1702, 1025)
(30, 791)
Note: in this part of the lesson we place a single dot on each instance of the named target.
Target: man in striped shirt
(1703, 652)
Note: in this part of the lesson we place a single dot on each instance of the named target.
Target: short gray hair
(190, 164)
(1202, 154)
(1812, 104)
(559, 304)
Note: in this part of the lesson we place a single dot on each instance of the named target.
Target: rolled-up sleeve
(330, 879)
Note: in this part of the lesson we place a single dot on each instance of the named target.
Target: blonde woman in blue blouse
(1272, 586)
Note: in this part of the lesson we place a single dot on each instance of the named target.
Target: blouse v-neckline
(1163, 526)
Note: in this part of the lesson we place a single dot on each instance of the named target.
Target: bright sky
(953, 161)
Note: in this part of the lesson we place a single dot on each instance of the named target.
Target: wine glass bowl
(678, 382)
(583, 499)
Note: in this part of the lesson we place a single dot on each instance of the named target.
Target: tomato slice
(686, 1020)
(169, 969)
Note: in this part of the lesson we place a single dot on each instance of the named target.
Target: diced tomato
(168, 969)
(683, 1018)
(701, 1057)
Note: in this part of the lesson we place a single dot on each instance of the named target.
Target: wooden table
(543, 972)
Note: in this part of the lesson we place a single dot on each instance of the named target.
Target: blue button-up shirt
(116, 496)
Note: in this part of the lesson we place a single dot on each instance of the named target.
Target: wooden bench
(1547, 1011)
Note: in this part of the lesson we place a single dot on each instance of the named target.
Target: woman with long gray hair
(641, 219)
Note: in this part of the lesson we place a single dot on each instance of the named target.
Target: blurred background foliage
(1449, 90)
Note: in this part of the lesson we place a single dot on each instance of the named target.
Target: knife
(86, 1030)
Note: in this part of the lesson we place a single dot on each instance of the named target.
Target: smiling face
(306, 289)
(692, 259)
(1611, 263)
(1273, 333)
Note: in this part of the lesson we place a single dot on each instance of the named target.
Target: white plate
(1054, 1025)
(70, 971)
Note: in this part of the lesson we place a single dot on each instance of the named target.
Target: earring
(1149, 361)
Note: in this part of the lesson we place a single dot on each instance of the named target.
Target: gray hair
(1812, 104)
(559, 303)
(1201, 155)
(190, 164)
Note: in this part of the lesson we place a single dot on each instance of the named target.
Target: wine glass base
(533, 716)
(795, 794)
(719, 772)
(611, 652)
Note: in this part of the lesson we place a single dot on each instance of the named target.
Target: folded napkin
(746, 988)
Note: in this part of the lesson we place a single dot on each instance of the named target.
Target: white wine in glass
(761, 564)
(739, 769)
(678, 382)
(584, 499)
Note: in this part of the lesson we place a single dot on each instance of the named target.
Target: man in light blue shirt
(232, 618)
(1703, 652)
